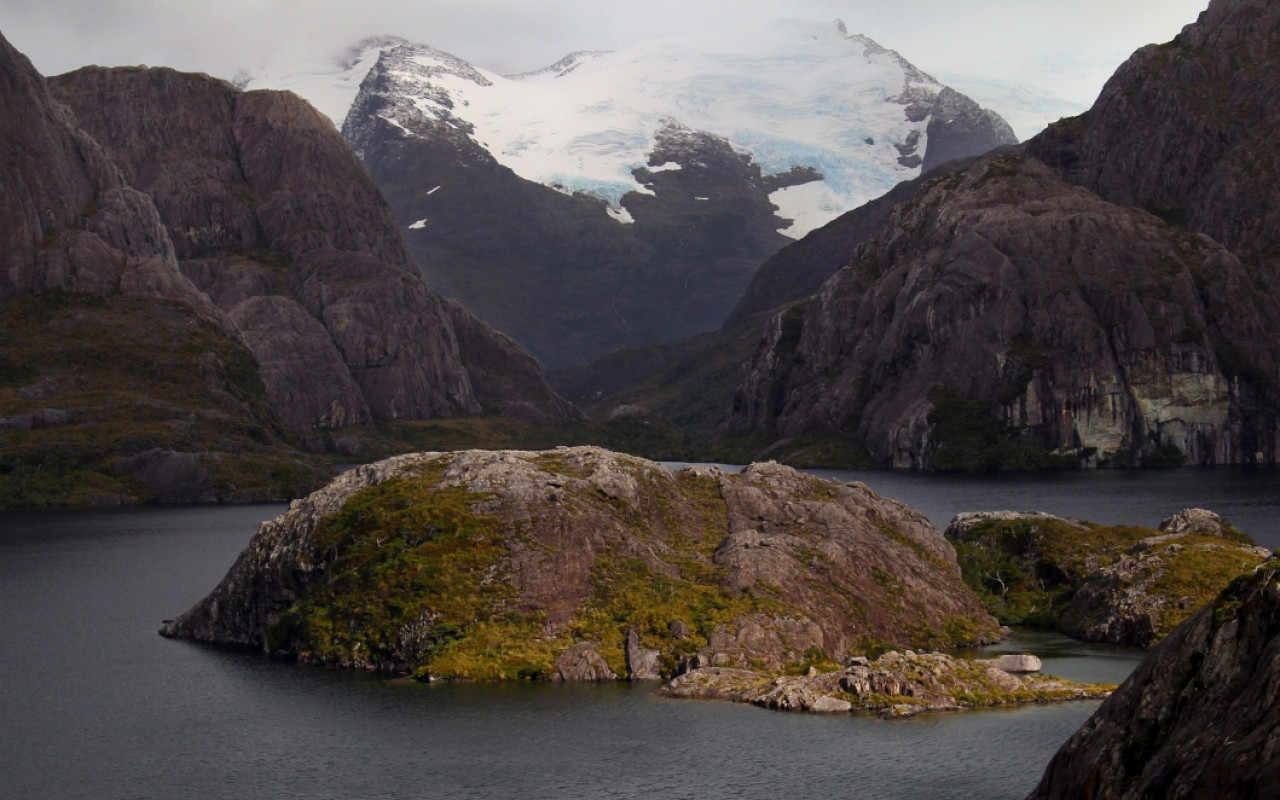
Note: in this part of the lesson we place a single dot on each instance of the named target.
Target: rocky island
(1116, 584)
(583, 564)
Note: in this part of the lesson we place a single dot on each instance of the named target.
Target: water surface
(94, 704)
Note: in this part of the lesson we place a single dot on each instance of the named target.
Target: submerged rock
(495, 564)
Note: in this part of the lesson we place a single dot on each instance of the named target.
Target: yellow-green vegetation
(86, 380)
(629, 592)
(411, 554)
(1025, 570)
(1193, 569)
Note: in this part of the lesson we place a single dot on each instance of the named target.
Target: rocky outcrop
(1159, 581)
(495, 565)
(1000, 291)
(897, 684)
(276, 219)
(1119, 585)
(960, 128)
(1188, 130)
(1198, 717)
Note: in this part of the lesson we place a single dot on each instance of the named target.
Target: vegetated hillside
(1003, 315)
(119, 380)
(583, 564)
(1099, 583)
(276, 219)
(1198, 717)
(521, 197)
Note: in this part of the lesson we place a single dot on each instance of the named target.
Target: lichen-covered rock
(582, 663)
(897, 684)
(1116, 584)
(1200, 717)
(491, 565)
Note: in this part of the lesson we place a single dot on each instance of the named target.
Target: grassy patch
(91, 379)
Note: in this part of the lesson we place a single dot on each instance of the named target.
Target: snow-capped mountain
(793, 94)
(622, 199)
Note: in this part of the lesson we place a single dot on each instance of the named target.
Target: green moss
(410, 551)
(133, 375)
(1025, 571)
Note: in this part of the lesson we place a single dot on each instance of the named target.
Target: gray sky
(1064, 48)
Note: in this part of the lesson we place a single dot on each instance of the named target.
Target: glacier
(790, 93)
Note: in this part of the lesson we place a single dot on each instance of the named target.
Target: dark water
(94, 704)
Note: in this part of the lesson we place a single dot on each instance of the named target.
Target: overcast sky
(1066, 48)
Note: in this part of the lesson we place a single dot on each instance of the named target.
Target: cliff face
(1198, 718)
(278, 221)
(1189, 130)
(565, 555)
(1086, 327)
(70, 222)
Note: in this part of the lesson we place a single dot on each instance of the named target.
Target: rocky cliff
(119, 380)
(1198, 718)
(999, 291)
(274, 217)
(1188, 130)
(585, 564)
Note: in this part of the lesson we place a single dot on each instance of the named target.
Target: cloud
(1072, 45)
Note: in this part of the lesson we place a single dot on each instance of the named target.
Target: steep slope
(1208, 103)
(119, 380)
(998, 290)
(583, 563)
(278, 221)
(1198, 717)
(668, 161)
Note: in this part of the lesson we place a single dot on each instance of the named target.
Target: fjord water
(94, 704)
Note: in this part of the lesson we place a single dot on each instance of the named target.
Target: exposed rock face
(274, 216)
(548, 551)
(894, 685)
(799, 269)
(123, 382)
(71, 222)
(1188, 129)
(1198, 718)
(1086, 327)
(960, 128)
(1120, 585)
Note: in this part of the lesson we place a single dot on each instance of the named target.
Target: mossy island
(1114, 584)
